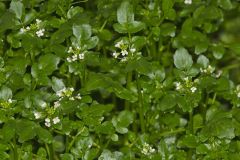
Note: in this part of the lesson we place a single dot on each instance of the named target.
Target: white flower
(238, 95)
(43, 105)
(38, 21)
(56, 120)
(10, 100)
(28, 28)
(133, 50)
(22, 30)
(71, 98)
(124, 52)
(81, 56)
(115, 54)
(60, 93)
(178, 85)
(69, 59)
(188, 1)
(56, 104)
(71, 89)
(37, 115)
(219, 73)
(119, 44)
(47, 122)
(147, 149)
(74, 57)
(193, 89)
(40, 32)
(210, 69)
(70, 50)
(78, 96)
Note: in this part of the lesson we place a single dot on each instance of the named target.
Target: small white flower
(78, 96)
(69, 59)
(10, 100)
(133, 50)
(178, 85)
(22, 30)
(56, 120)
(37, 115)
(71, 89)
(124, 52)
(71, 98)
(60, 93)
(210, 69)
(40, 32)
(38, 21)
(147, 149)
(81, 56)
(119, 44)
(186, 79)
(115, 54)
(47, 122)
(56, 104)
(219, 73)
(74, 57)
(238, 94)
(193, 89)
(70, 50)
(188, 1)
(28, 28)
(43, 105)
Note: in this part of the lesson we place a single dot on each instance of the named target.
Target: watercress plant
(119, 80)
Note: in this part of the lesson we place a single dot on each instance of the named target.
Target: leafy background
(111, 79)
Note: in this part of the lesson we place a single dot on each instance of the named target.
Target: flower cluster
(147, 149)
(188, 1)
(6, 103)
(208, 70)
(187, 85)
(48, 123)
(37, 27)
(67, 92)
(125, 50)
(237, 91)
(76, 54)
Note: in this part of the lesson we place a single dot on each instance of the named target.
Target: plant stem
(129, 80)
(49, 148)
(140, 103)
(15, 148)
(191, 130)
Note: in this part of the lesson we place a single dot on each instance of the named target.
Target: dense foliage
(113, 79)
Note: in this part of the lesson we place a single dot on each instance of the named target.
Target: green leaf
(125, 13)
(48, 63)
(182, 59)
(203, 61)
(25, 129)
(167, 102)
(44, 135)
(82, 32)
(225, 4)
(57, 84)
(92, 42)
(189, 141)
(8, 130)
(135, 26)
(218, 51)
(5, 93)
(17, 8)
(235, 47)
(168, 29)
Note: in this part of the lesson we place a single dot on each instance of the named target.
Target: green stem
(191, 130)
(15, 148)
(129, 80)
(49, 148)
(140, 103)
